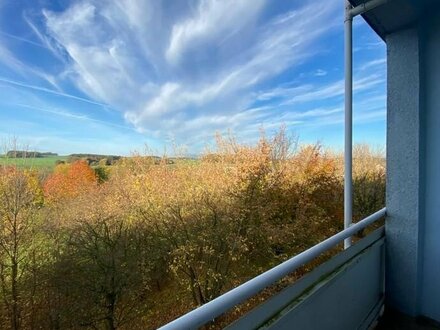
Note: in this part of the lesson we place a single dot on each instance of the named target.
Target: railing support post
(348, 154)
(350, 12)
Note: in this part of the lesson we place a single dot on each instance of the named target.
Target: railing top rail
(228, 300)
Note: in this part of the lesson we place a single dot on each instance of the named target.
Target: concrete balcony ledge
(346, 292)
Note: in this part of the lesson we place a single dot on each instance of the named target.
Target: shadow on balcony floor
(395, 321)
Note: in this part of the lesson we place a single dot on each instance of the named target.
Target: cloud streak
(49, 91)
(205, 64)
(68, 114)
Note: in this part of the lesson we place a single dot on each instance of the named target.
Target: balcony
(346, 292)
(388, 279)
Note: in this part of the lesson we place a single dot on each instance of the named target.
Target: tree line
(29, 154)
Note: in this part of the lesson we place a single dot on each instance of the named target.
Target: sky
(110, 76)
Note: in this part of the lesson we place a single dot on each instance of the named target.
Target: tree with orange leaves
(70, 180)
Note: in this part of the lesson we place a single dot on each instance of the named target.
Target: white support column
(348, 155)
(350, 12)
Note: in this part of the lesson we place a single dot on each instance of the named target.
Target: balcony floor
(396, 321)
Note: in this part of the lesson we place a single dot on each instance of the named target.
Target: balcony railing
(270, 312)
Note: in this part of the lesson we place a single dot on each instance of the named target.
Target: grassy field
(34, 163)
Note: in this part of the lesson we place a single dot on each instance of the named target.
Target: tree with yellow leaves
(20, 201)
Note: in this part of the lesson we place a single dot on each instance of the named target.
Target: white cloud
(18, 38)
(184, 69)
(71, 115)
(309, 92)
(50, 91)
(320, 73)
(47, 42)
(372, 64)
(213, 20)
(8, 59)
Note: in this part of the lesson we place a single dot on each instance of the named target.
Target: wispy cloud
(372, 64)
(320, 73)
(12, 36)
(162, 84)
(312, 92)
(50, 91)
(45, 39)
(213, 21)
(8, 59)
(185, 68)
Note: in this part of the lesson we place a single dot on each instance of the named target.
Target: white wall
(404, 162)
(413, 170)
(430, 283)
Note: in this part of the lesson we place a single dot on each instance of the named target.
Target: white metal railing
(350, 13)
(225, 302)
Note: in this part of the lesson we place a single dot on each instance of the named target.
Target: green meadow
(32, 163)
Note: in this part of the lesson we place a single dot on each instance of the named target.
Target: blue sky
(110, 76)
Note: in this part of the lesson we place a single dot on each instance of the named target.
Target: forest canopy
(152, 239)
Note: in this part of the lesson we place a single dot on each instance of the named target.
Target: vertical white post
(348, 156)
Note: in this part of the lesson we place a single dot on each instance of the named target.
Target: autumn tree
(20, 201)
(70, 180)
(100, 275)
(368, 180)
(211, 214)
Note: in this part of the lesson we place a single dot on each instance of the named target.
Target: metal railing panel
(225, 302)
(350, 297)
(270, 308)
